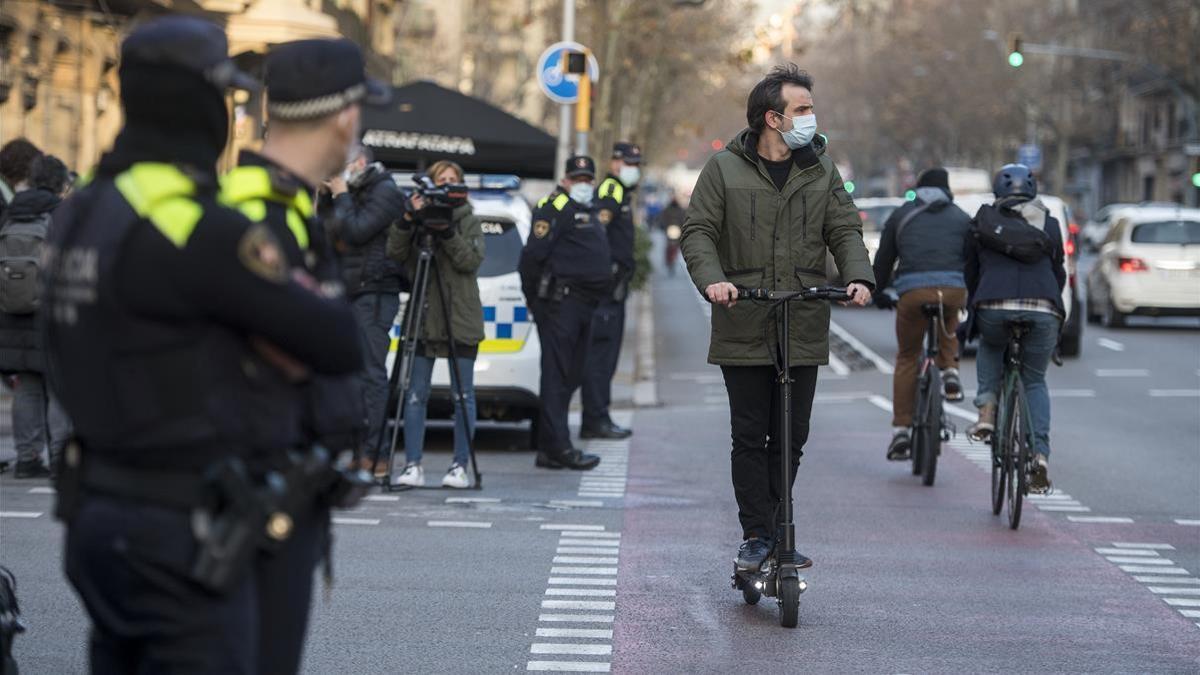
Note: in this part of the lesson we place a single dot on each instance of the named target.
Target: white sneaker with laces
(456, 477)
(413, 476)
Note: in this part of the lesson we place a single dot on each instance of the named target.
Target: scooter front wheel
(789, 602)
(751, 594)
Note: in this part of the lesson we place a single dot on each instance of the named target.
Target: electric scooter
(778, 576)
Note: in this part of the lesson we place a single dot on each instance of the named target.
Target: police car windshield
(502, 247)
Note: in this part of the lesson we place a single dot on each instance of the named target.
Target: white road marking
(472, 500)
(1098, 519)
(881, 363)
(1175, 393)
(355, 521)
(607, 495)
(1182, 602)
(564, 541)
(459, 523)
(1150, 569)
(582, 560)
(1191, 613)
(1168, 580)
(590, 533)
(584, 550)
(599, 571)
(838, 366)
(1127, 544)
(1110, 344)
(1073, 393)
(1140, 561)
(560, 648)
(1122, 372)
(602, 633)
(1126, 551)
(576, 618)
(1056, 497)
(41, 491)
(1187, 521)
(1064, 508)
(595, 592)
(881, 402)
(577, 503)
(555, 526)
(382, 498)
(568, 666)
(20, 514)
(579, 604)
(1168, 590)
(582, 581)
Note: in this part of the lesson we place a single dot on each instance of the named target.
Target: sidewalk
(634, 385)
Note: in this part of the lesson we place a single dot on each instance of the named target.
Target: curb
(645, 385)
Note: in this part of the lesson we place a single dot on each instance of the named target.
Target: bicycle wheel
(918, 444)
(1017, 452)
(999, 474)
(931, 427)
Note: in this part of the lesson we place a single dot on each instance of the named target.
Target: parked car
(1071, 341)
(1149, 265)
(874, 212)
(508, 366)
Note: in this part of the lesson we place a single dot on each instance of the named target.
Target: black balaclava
(172, 115)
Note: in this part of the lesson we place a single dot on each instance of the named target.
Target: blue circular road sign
(560, 87)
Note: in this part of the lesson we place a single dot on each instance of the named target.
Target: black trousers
(564, 328)
(608, 329)
(129, 563)
(754, 412)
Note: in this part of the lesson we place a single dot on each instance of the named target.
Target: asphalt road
(627, 570)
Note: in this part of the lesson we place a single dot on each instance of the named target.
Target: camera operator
(448, 217)
(365, 201)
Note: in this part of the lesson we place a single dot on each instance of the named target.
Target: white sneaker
(456, 477)
(413, 476)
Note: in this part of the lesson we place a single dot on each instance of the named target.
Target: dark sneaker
(1039, 482)
(952, 385)
(900, 449)
(606, 430)
(569, 459)
(802, 561)
(752, 554)
(32, 469)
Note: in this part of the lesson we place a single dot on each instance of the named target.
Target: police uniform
(565, 272)
(152, 288)
(614, 207)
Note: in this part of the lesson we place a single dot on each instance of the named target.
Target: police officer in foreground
(315, 90)
(175, 332)
(615, 213)
(566, 271)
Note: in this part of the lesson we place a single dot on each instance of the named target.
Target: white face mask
(582, 193)
(804, 127)
(630, 175)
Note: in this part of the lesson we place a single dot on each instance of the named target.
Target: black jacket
(994, 276)
(20, 343)
(932, 241)
(357, 222)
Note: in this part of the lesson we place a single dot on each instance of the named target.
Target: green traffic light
(1015, 59)
(1196, 179)
(911, 195)
(849, 186)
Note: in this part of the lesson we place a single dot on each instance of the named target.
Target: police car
(508, 367)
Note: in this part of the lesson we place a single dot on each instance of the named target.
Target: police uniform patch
(541, 228)
(260, 253)
(605, 216)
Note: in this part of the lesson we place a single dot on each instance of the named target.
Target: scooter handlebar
(832, 293)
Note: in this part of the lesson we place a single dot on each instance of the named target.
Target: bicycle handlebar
(832, 293)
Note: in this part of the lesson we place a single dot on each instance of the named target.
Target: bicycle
(1012, 440)
(930, 428)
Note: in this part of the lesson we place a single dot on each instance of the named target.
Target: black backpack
(10, 621)
(21, 245)
(1011, 235)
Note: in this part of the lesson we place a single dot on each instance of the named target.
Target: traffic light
(1015, 57)
(910, 195)
(849, 185)
(1196, 179)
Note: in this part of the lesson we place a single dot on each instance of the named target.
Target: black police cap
(629, 153)
(308, 79)
(580, 165)
(187, 43)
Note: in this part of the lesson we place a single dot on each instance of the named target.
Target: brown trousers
(910, 341)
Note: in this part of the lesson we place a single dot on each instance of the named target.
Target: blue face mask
(582, 193)
(804, 127)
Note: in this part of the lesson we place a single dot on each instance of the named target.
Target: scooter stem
(787, 544)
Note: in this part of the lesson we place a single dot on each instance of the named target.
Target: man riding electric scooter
(762, 215)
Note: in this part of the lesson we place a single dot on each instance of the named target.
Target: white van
(508, 368)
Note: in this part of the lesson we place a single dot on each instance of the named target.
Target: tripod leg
(456, 386)
(413, 323)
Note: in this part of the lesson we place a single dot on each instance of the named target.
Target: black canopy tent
(424, 122)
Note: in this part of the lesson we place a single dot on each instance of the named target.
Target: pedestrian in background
(614, 212)
(38, 421)
(357, 210)
(458, 253)
(16, 157)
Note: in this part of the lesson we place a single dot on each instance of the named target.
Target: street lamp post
(564, 114)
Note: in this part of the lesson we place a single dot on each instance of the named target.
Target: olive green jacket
(740, 228)
(458, 259)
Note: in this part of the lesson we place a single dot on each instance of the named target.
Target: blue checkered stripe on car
(501, 322)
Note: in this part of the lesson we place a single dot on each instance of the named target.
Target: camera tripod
(400, 380)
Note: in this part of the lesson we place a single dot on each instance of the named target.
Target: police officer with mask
(175, 332)
(615, 213)
(315, 89)
(566, 271)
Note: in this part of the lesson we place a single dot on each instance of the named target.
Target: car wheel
(1112, 317)
(1093, 317)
